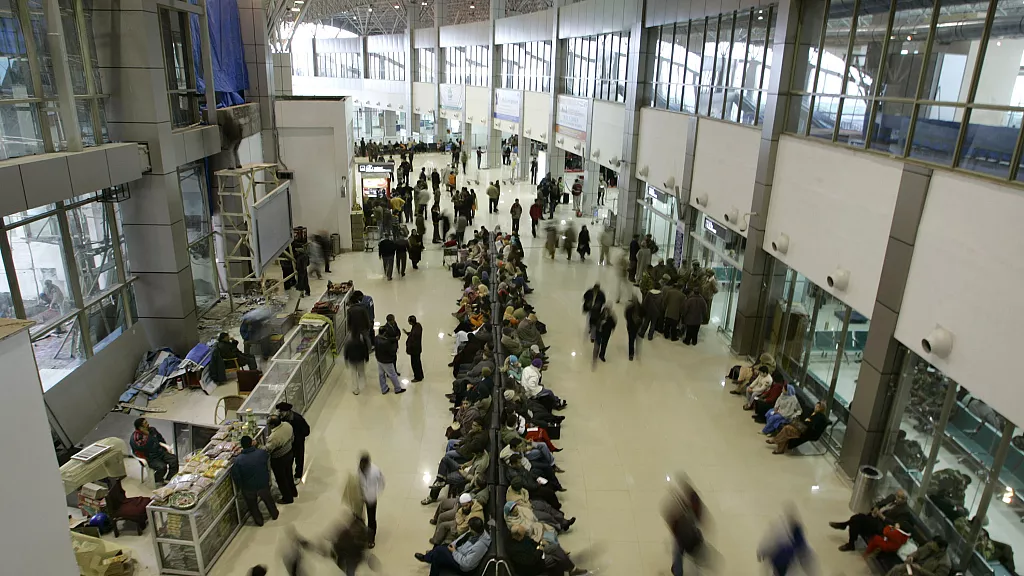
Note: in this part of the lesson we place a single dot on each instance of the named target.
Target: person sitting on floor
(521, 519)
(892, 510)
(468, 507)
(811, 427)
(531, 383)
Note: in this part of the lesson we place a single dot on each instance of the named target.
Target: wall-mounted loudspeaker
(781, 244)
(939, 342)
(839, 279)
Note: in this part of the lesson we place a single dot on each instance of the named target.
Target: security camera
(839, 279)
(938, 342)
(781, 244)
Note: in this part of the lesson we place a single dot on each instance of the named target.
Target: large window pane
(41, 270)
(20, 131)
(107, 321)
(58, 352)
(864, 57)
(204, 279)
(94, 248)
(6, 301)
(833, 53)
(194, 199)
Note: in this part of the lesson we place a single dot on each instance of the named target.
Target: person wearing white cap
(447, 531)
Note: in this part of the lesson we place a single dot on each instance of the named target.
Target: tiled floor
(630, 428)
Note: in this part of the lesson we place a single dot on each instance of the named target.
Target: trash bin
(865, 488)
(335, 244)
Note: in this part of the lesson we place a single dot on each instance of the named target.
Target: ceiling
(371, 17)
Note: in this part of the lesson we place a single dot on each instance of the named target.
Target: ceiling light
(397, 6)
(472, 6)
(423, 3)
(296, 9)
(369, 9)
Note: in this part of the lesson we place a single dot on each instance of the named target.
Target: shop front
(375, 181)
(657, 216)
(961, 462)
(720, 249)
(818, 342)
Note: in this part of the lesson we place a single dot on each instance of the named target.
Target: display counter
(282, 382)
(188, 542)
(310, 344)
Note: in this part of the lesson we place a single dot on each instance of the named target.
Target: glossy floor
(631, 427)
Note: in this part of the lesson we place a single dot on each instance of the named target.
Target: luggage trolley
(449, 256)
(371, 235)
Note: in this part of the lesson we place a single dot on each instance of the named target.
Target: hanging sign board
(572, 117)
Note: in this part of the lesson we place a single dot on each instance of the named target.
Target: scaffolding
(236, 194)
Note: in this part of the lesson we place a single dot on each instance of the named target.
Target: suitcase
(554, 431)
(565, 197)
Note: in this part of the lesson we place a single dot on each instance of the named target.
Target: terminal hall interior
(807, 212)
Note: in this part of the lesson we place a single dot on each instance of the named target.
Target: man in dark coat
(674, 301)
(593, 302)
(414, 347)
(300, 431)
(634, 248)
(695, 310)
(634, 315)
(386, 249)
(251, 473)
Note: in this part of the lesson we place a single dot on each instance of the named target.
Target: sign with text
(572, 116)
(508, 105)
(453, 96)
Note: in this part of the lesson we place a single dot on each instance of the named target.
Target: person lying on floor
(535, 413)
(889, 511)
(520, 520)
(454, 520)
(541, 509)
(811, 427)
(534, 390)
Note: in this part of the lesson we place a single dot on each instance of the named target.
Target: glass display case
(189, 542)
(309, 345)
(274, 388)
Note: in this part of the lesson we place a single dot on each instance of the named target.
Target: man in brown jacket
(674, 301)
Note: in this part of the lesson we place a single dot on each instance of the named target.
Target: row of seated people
(776, 405)
(532, 512)
(461, 538)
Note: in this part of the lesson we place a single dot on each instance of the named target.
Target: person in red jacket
(891, 539)
(536, 214)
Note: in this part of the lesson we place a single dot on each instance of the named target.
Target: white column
(40, 543)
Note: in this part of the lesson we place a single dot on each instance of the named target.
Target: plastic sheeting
(230, 75)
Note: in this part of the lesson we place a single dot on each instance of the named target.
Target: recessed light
(405, 381)
(440, 334)
(369, 9)
(574, 353)
(471, 6)
(296, 9)
(397, 6)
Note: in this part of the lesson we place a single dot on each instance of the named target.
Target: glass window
(179, 67)
(58, 351)
(107, 320)
(195, 200)
(6, 300)
(39, 265)
(93, 248)
(204, 275)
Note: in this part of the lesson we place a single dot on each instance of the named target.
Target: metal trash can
(335, 244)
(865, 488)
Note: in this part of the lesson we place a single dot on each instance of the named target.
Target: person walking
(465, 160)
(316, 259)
(583, 243)
(279, 445)
(568, 240)
(252, 476)
(415, 248)
(695, 310)
(634, 253)
(385, 350)
(634, 315)
(386, 250)
(577, 195)
(683, 517)
(371, 481)
(435, 182)
(517, 213)
(300, 430)
(607, 239)
(479, 156)
(492, 198)
(401, 254)
(414, 348)
(460, 229)
(435, 220)
(536, 213)
(357, 354)
(643, 261)
(533, 171)
(604, 328)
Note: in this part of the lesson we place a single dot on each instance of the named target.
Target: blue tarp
(231, 77)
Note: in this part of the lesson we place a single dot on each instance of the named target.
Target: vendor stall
(199, 511)
(282, 382)
(375, 180)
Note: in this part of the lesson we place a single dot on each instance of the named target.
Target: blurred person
(607, 239)
(634, 316)
(684, 514)
(603, 329)
(371, 482)
(787, 546)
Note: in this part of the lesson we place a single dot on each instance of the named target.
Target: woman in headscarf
(584, 243)
(508, 318)
(786, 408)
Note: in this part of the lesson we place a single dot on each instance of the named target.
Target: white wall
(314, 144)
(424, 97)
(34, 494)
(535, 26)
(660, 150)
(471, 34)
(477, 101)
(597, 16)
(836, 205)
(608, 122)
(966, 275)
(536, 115)
(725, 161)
